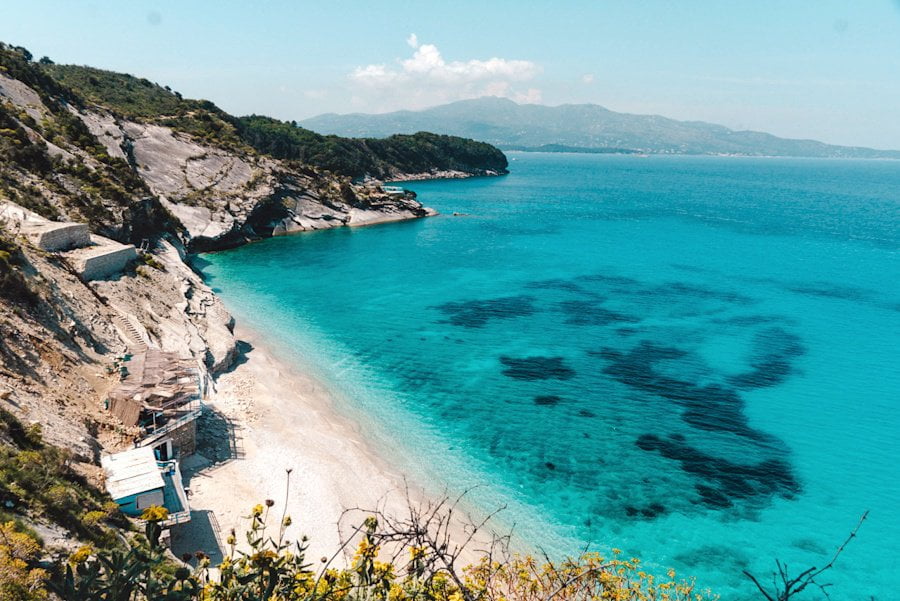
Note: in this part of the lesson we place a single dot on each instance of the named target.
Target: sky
(821, 69)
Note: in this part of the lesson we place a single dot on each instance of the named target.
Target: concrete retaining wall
(51, 236)
(101, 262)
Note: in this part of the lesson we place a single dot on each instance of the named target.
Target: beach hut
(160, 393)
(136, 480)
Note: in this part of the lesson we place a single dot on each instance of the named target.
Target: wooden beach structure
(160, 393)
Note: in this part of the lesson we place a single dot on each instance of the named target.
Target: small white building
(136, 480)
(93, 257)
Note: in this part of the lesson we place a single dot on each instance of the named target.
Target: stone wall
(57, 236)
(103, 262)
(184, 439)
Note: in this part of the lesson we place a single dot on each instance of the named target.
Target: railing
(178, 517)
(169, 427)
(181, 517)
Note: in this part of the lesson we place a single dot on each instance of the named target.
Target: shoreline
(443, 174)
(267, 416)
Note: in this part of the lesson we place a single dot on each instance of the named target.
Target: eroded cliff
(159, 182)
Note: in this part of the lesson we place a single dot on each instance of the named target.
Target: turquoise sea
(694, 359)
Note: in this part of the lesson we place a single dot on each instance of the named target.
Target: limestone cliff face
(225, 197)
(219, 196)
(171, 194)
(57, 355)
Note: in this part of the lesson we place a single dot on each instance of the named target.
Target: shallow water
(692, 359)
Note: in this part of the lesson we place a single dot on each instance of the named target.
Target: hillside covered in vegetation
(394, 156)
(385, 158)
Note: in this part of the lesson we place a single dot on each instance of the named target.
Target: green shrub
(59, 495)
(93, 518)
(151, 261)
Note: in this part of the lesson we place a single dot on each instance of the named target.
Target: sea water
(693, 359)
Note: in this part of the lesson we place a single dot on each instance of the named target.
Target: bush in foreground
(393, 561)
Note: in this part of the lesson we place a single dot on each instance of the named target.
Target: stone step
(136, 341)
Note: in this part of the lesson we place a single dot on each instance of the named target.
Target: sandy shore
(264, 419)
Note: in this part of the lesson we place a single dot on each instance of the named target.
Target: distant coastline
(446, 174)
(584, 128)
(562, 148)
(558, 149)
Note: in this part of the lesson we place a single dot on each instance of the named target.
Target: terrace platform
(102, 259)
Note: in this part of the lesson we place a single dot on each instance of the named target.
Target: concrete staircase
(135, 339)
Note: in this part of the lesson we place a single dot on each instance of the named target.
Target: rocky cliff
(169, 183)
(224, 197)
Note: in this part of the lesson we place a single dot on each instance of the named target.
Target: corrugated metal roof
(131, 472)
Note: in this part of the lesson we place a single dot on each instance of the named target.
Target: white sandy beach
(281, 419)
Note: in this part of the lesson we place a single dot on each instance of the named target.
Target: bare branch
(790, 587)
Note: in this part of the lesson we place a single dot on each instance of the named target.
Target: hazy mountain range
(578, 128)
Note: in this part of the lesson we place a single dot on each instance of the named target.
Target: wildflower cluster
(591, 576)
(269, 568)
(18, 578)
(272, 568)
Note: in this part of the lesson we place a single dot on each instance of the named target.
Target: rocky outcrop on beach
(311, 209)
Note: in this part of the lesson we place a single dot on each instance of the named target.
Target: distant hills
(578, 128)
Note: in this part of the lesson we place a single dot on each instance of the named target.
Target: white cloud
(426, 78)
(588, 78)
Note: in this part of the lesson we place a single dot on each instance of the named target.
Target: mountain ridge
(580, 127)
